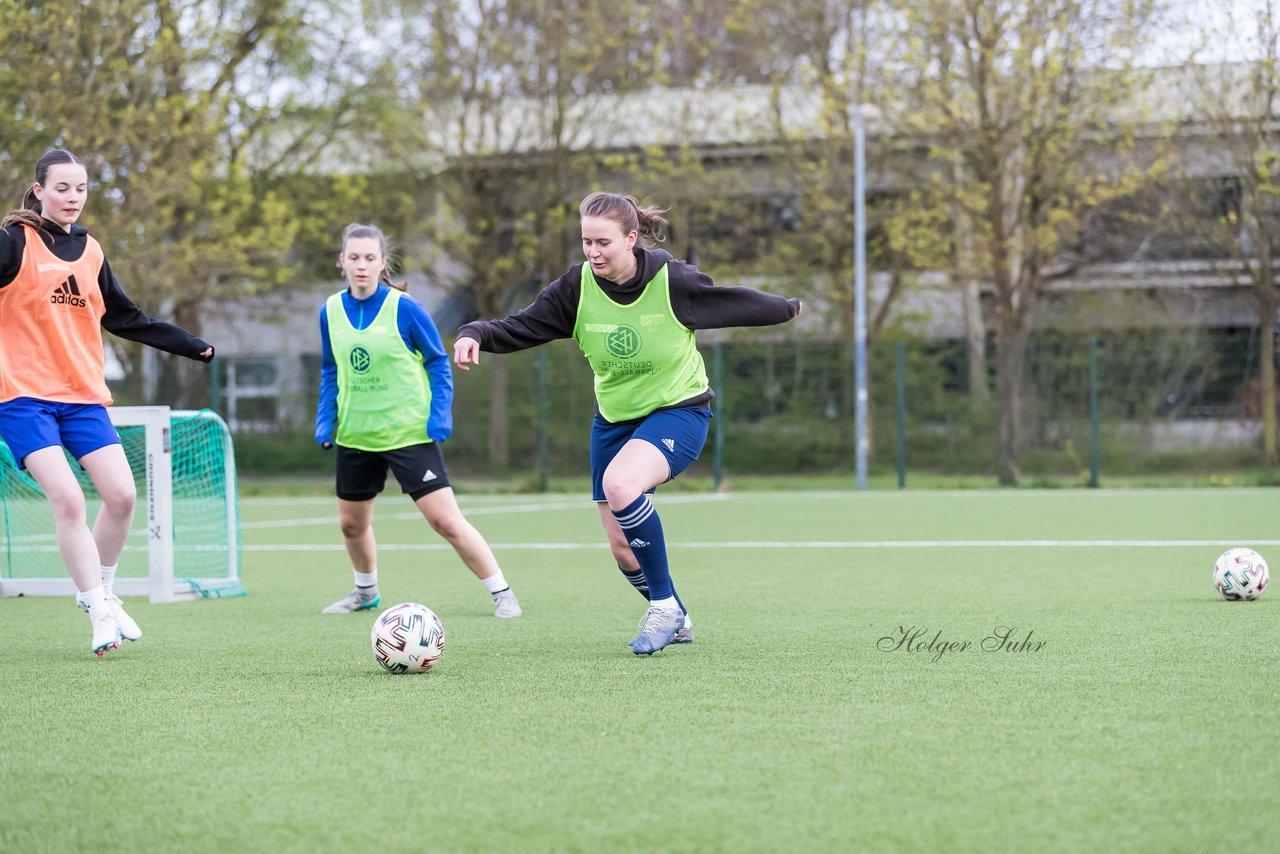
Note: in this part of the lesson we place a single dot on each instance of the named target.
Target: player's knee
(352, 528)
(620, 491)
(450, 526)
(68, 507)
(119, 500)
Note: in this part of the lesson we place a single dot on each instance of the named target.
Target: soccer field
(907, 671)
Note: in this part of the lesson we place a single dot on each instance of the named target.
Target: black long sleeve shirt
(697, 301)
(121, 317)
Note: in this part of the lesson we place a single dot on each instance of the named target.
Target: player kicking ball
(633, 310)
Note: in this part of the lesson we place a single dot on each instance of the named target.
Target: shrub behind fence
(1186, 400)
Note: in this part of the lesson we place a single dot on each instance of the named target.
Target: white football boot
(507, 605)
(127, 625)
(106, 634)
(356, 600)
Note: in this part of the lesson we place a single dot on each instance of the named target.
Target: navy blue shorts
(28, 424)
(419, 469)
(678, 433)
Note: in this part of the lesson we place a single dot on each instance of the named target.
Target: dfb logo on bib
(623, 342)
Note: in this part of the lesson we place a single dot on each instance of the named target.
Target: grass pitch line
(576, 504)
(811, 544)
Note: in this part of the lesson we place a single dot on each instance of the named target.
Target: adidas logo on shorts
(671, 444)
(429, 476)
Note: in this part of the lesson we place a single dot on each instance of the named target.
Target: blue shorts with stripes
(678, 433)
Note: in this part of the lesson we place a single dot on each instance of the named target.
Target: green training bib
(642, 356)
(384, 397)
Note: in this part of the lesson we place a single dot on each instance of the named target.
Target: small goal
(185, 542)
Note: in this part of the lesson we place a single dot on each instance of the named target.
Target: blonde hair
(627, 212)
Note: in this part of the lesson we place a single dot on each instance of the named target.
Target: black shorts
(419, 469)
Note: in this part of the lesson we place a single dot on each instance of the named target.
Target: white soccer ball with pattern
(1240, 574)
(407, 638)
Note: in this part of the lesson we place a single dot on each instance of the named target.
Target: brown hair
(359, 230)
(647, 222)
(30, 211)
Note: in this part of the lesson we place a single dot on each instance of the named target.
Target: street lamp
(858, 114)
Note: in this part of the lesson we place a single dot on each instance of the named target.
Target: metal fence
(1090, 406)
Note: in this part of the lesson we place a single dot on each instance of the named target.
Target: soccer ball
(407, 638)
(1240, 574)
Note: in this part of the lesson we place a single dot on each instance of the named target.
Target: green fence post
(1093, 413)
(902, 415)
(718, 455)
(543, 425)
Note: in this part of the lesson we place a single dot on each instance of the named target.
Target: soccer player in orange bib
(57, 294)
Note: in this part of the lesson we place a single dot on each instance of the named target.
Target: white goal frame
(156, 506)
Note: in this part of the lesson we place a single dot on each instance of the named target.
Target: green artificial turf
(1136, 712)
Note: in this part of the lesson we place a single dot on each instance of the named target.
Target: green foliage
(196, 122)
(1019, 116)
(261, 455)
(1162, 400)
(229, 142)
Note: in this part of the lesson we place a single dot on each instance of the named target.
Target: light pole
(859, 113)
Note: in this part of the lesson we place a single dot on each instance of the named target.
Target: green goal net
(185, 542)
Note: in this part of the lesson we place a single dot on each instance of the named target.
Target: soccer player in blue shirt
(386, 397)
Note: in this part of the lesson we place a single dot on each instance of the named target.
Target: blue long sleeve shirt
(419, 334)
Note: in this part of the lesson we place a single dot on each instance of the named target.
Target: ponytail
(646, 221)
(24, 216)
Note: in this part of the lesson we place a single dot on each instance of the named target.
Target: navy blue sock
(643, 529)
(636, 580)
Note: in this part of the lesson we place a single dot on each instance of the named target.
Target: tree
(186, 113)
(1018, 99)
(511, 94)
(827, 53)
(1236, 132)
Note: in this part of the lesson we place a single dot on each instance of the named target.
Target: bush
(260, 455)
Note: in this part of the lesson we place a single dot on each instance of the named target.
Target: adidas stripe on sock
(636, 580)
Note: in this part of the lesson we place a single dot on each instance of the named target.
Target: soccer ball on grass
(1240, 574)
(407, 638)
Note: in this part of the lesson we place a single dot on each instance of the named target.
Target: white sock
(92, 599)
(669, 604)
(109, 577)
(366, 580)
(495, 582)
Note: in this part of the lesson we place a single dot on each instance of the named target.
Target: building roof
(742, 115)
